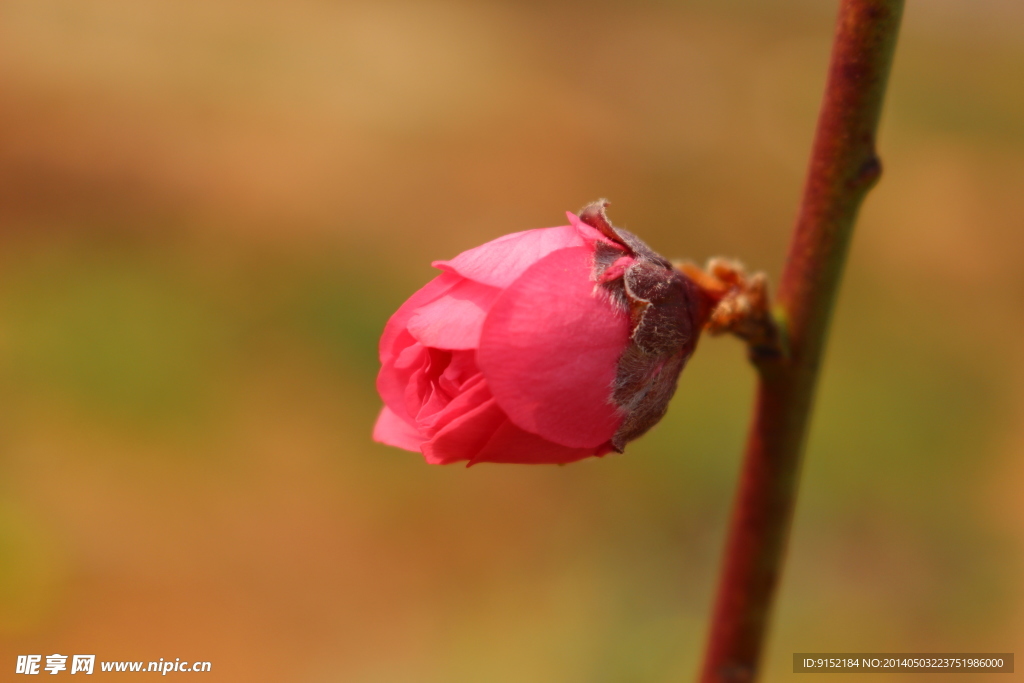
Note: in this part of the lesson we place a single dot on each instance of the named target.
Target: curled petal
(460, 374)
(394, 431)
(397, 374)
(395, 337)
(433, 418)
(424, 396)
(464, 436)
(500, 262)
(549, 349)
(453, 320)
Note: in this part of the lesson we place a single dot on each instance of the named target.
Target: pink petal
(423, 396)
(464, 436)
(617, 269)
(392, 341)
(461, 371)
(431, 419)
(499, 262)
(588, 233)
(394, 431)
(510, 444)
(549, 348)
(453, 320)
(396, 375)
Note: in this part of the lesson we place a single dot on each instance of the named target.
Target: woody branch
(843, 167)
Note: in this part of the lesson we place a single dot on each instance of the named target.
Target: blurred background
(209, 209)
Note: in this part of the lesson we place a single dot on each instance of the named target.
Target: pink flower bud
(543, 346)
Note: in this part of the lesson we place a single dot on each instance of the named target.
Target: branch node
(869, 172)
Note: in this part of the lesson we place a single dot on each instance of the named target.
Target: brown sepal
(666, 315)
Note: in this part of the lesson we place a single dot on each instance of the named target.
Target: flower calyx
(667, 312)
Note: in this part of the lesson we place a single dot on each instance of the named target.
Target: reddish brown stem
(843, 168)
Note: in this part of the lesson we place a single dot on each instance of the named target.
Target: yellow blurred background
(209, 208)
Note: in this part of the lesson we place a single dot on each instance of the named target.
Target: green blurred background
(209, 208)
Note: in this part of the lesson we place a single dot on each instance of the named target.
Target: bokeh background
(209, 208)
